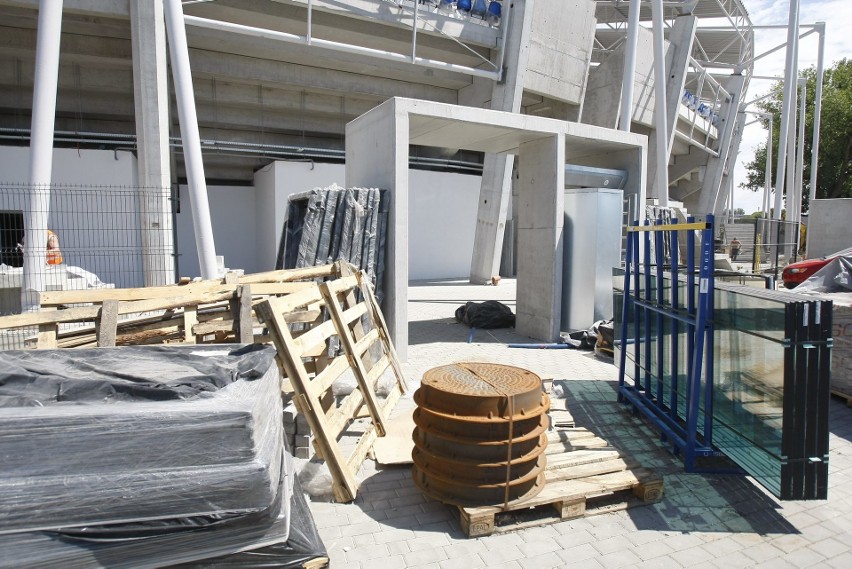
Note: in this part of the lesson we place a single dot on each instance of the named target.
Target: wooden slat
(381, 325)
(345, 483)
(342, 284)
(289, 275)
(364, 343)
(377, 370)
(351, 314)
(350, 347)
(323, 380)
(314, 337)
(284, 304)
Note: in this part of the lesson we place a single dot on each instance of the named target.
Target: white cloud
(838, 44)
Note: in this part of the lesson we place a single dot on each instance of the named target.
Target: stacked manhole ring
(480, 434)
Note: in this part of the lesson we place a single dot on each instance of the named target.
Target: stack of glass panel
(769, 372)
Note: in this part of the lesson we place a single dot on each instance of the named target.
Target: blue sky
(837, 14)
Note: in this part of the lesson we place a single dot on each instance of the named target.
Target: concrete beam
(242, 69)
(377, 146)
(680, 40)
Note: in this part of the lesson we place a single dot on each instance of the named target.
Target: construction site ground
(702, 520)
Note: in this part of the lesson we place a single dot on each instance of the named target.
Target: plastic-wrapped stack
(332, 224)
(181, 446)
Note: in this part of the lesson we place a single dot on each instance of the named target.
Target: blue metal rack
(652, 391)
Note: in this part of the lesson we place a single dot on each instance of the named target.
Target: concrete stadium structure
(278, 80)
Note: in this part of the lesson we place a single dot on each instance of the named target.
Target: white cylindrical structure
(179, 55)
(628, 79)
(789, 94)
(41, 152)
(800, 153)
(662, 139)
(820, 27)
(767, 188)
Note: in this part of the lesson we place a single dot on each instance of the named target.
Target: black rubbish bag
(488, 314)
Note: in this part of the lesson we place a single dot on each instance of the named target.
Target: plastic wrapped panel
(119, 435)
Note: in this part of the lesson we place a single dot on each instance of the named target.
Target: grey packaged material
(337, 224)
(117, 435)
(283, 535)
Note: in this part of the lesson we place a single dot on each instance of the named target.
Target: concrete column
(496, 189)
(540, 221)
(41, 151)
(709, 201)
(151, 99)
(681, 39)
(377, 157)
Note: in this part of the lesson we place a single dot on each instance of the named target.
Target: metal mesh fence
(106, 237)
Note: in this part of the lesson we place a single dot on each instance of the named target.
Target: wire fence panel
(95, 236)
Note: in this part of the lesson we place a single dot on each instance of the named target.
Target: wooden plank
(107, 323)
(364, 343)
(289, 275)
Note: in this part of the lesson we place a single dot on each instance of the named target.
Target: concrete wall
(94, 208)
(560, 48)
(232, 211)
(832, 230)
(603, 94)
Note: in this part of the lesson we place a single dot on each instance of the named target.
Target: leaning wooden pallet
(360, 330)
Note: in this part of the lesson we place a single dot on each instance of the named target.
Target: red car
(795, 274)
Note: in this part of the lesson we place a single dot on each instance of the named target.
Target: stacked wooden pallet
(584, 476)
(211, 311)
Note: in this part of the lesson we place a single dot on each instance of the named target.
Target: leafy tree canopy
(834, 168)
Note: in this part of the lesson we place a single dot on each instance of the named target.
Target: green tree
(834, 168)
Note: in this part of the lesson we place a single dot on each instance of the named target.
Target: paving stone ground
(702, 521)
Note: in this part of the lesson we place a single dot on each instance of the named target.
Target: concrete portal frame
(377, 151)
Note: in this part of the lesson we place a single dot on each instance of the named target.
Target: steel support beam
(790, 75)
(41, 152)
(191, 139)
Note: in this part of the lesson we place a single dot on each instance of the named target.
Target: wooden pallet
(844, 396)
(588, 478)
(367, 353)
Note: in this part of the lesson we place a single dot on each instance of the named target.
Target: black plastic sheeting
(332, 224)
(133, 434)
(271, 538)
(487, 315)
(132, 373)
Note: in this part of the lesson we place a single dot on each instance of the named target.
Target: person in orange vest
(54, 255)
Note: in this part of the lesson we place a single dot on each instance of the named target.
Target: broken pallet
(587, 479)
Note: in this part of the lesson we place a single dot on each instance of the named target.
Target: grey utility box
(591, 248)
